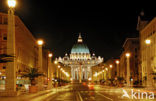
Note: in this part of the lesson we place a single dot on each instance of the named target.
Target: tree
(32, 73)
(120, 81)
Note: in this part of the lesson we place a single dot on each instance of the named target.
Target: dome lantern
(79, 38)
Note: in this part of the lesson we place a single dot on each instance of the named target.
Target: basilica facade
(81, 61)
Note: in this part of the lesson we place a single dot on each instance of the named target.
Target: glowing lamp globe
(127, 54)
(147, 41)
(117, 62)
(11, 3)
(50, 55)
(40, 42)
(110, 66)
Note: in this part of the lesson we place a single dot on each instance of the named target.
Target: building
(148, 54)
(131, 45)
(98, 74)
(80, 61)
(112, 68)
(26, 48)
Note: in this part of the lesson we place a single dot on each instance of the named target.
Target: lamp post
(128, 69)
(107, 72)
(59, 69)
(10, 86)
(117, 63)
(58, 72)
(103, 73)
(110, 71)
(40, 79)
(49, 71)
(149, 68)
(110, 66)
(40, 43)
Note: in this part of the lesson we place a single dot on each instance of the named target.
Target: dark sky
(105, 24)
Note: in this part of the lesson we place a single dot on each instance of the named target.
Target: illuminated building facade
(131, 45)
(25, 46)
(148, 53)
(80, 61)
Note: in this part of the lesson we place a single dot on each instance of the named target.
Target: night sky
(105, 25)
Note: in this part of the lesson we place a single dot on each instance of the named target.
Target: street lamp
(110, 66)
(106, 69)
(55, 62)
(40, 79)
(50, 55)
(117, 63)
(148, 65)
(110, 71)
(58, 71)
(10, 84)
(40, 42)
(49, 71)
(148, 41)
(11, 3)
(128, 69)
(58, 66)
(128, 55)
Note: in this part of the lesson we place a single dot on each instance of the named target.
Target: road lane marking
(105, 96)
(80, 96)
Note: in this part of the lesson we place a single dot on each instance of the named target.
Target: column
(86, 73)
(80, 80)
(110, 73)
(10, 85)
(82, 73)
(90, 73)
(49, 71)
(118, 72)
(40, 79)
(149, 67)
(74, 72)
(128, 72)
(77, 75)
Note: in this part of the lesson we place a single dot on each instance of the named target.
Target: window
(4, 67)
(5, 20)
(4, 37)
(136, 50)
(0, 19)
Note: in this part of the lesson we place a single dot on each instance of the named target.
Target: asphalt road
(77, 92)
(85, 92)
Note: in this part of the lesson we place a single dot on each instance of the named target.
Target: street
(76, 92)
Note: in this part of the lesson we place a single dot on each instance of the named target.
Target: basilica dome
(80, 50)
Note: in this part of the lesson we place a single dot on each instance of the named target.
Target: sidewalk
(39, 96)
